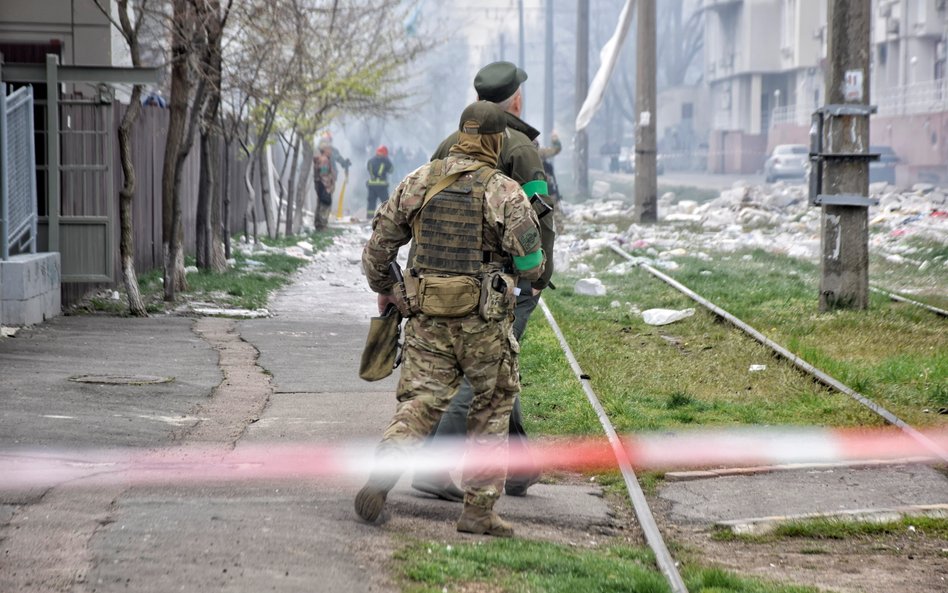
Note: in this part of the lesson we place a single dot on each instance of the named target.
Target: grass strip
(515, 565)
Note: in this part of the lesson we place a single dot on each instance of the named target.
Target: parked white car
(787, 161)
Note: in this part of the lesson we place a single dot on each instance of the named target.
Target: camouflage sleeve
(391, 228)
(527, 170)
(521, 229)
(550, 151)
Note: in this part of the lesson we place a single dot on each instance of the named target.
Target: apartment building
(760, 55)
(76, 31)
(765, 71)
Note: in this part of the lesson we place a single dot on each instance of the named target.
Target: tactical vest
(449, 230)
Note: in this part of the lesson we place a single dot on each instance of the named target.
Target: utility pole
(844, 235)
(646, 190)
(548, 74)
(521, 57)
(582, 87)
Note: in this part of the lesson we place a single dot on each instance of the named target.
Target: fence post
(52, 151)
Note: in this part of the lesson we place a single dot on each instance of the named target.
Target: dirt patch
(909, 561)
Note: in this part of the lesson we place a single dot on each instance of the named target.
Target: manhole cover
(121, 379)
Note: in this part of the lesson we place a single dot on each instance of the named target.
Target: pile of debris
(776, 217)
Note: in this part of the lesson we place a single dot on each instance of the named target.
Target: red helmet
(382, 150)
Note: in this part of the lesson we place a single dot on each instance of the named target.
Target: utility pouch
(497, 299)
(405, 291)
(448, 296)
(380, 355)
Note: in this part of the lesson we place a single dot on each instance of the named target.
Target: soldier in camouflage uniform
(499, 83)
(468, 221)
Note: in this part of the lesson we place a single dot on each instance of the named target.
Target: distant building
(765, 72)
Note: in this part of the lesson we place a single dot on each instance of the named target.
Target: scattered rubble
(777, 218)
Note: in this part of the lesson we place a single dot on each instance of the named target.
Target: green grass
(838, 529)
(516, 565)
(696, 372)
(927, 283)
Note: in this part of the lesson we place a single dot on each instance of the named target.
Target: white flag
(608, 56)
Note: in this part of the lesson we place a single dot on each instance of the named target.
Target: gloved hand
(346, 164)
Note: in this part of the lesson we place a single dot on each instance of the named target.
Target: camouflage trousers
(438, 351)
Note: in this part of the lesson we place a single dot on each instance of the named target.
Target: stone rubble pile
(777, 218)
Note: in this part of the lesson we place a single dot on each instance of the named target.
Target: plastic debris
(756, 368)
(590, 287)
(665, 316)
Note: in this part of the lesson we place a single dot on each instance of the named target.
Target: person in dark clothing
(379, 167)
(499, 83)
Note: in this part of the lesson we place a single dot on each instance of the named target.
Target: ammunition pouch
(380, 355)
(497, 299)
(448, 296)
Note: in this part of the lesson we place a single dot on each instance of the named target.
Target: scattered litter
(590, 287)
(191, 270)
(665, 316)
(756, 368)
(115, 295)
(8, 332)
(223, 312)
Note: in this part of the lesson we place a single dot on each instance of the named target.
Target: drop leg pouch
(380, 355)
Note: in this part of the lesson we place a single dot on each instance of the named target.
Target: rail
(798, 362)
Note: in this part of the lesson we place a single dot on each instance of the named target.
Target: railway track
(653, 536)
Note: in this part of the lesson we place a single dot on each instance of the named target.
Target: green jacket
(520, 160)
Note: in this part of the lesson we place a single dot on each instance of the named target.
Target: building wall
(77, 24)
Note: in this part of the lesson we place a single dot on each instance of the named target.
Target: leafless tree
(129, 27)
(301, 63)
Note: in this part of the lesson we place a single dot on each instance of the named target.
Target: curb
(764, 525)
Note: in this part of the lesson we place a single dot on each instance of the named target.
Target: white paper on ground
(665, 316)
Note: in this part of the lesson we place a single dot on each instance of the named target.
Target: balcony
(913, 99)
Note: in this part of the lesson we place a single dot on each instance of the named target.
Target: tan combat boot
(481, 521)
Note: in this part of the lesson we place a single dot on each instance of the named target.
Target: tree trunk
(291, 186)
(225, 199)
(302, 189)
(127, 243)
(217, 260)
(263, 163)
(178, 104)
(202, 223)
(250, 215)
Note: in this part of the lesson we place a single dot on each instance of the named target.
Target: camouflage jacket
(520, 161)
(510, 224)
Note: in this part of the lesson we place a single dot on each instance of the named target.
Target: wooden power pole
(582, 87)
(844, 235)
(646, 200)
(521, 55)
(548, 75)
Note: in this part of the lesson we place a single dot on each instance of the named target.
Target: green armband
(537, 187)
(529, 261)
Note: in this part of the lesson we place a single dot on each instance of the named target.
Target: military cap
(482, 117)
(498, 81)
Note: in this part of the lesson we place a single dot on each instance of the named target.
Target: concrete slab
(797, 492)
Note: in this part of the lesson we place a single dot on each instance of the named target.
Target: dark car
(883, 169)
(787, 161)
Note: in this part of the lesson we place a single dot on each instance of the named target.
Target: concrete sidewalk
(229, 384)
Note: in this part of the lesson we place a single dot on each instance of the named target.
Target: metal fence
(17, 173)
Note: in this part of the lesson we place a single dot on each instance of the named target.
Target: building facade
(765, 69)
